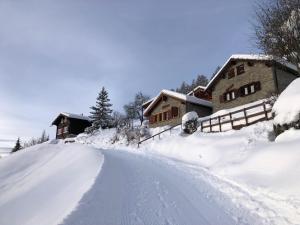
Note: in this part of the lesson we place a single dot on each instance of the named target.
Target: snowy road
(135, 190)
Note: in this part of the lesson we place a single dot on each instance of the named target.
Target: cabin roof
(196, 89)
(149, 101)
(258, 57)
(183, 97)
(71, 115)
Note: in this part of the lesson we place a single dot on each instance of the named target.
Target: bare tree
(134, 110)
(277, 29)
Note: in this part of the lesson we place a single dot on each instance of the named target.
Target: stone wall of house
(164, 106)
(257, 72)
(200, 110)
(284, 78)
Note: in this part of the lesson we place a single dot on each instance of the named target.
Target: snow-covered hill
(41, 185)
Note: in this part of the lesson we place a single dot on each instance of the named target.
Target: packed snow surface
(134, 189)
(41, 185)
(255, 173)
(287, 106)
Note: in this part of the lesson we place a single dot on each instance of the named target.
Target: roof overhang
(70, 115)
(179, 96)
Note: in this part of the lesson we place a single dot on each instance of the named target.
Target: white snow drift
(41, 185)
(287, 106)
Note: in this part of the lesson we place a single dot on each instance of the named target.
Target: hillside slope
(43, 184)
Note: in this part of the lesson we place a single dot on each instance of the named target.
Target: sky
(55, 55)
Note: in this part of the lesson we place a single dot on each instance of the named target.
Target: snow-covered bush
(129, 135)
(144, 130)
(287, 108)
(190, 122)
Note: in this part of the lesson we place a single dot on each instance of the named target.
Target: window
(164, 115)
(252, 88)
(240, 69)
(232, 95)
(246, 90)
(231, 73)
(160, 117)
(59, 131)
(229, 96)
(66, 129)
(249, 89)
(175, 112)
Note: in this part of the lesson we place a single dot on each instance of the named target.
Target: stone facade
(269, 79)
(165, 106)
(200, 110)
(258, 71)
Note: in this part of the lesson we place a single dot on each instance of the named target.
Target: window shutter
(151, 120)
(169, 115)
(174, 112)
(237, 93)
(257, 86)
(241, 92)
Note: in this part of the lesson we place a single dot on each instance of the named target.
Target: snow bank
(43, 184)
(265, 171)
(287, 106)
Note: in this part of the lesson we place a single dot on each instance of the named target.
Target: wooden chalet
(70, 125)
(245, 79)
(169, 107)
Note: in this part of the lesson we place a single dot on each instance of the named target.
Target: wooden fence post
(246, 118)
(265, 111)
(231, 121)
(210, 125)
(201, 126)
(220, 126)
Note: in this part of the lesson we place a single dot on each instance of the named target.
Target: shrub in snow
(128, 134)
(144, 130)
(190, 122)
(287, 108)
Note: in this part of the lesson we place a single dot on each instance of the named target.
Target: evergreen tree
(17, 146)
(201, 81)
(215, 72)
(44, 137)
(101, 112)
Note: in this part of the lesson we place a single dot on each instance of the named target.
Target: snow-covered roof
(252, 57)
(183, 97)
(196, 88)
(72, 115)
(75, 116)
(147, 102)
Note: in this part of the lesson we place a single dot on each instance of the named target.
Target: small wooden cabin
(169, 107)
(70, 125)
(247, 78)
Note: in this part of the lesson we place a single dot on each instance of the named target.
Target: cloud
(56, 55)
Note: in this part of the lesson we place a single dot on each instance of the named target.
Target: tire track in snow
(135, 190)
